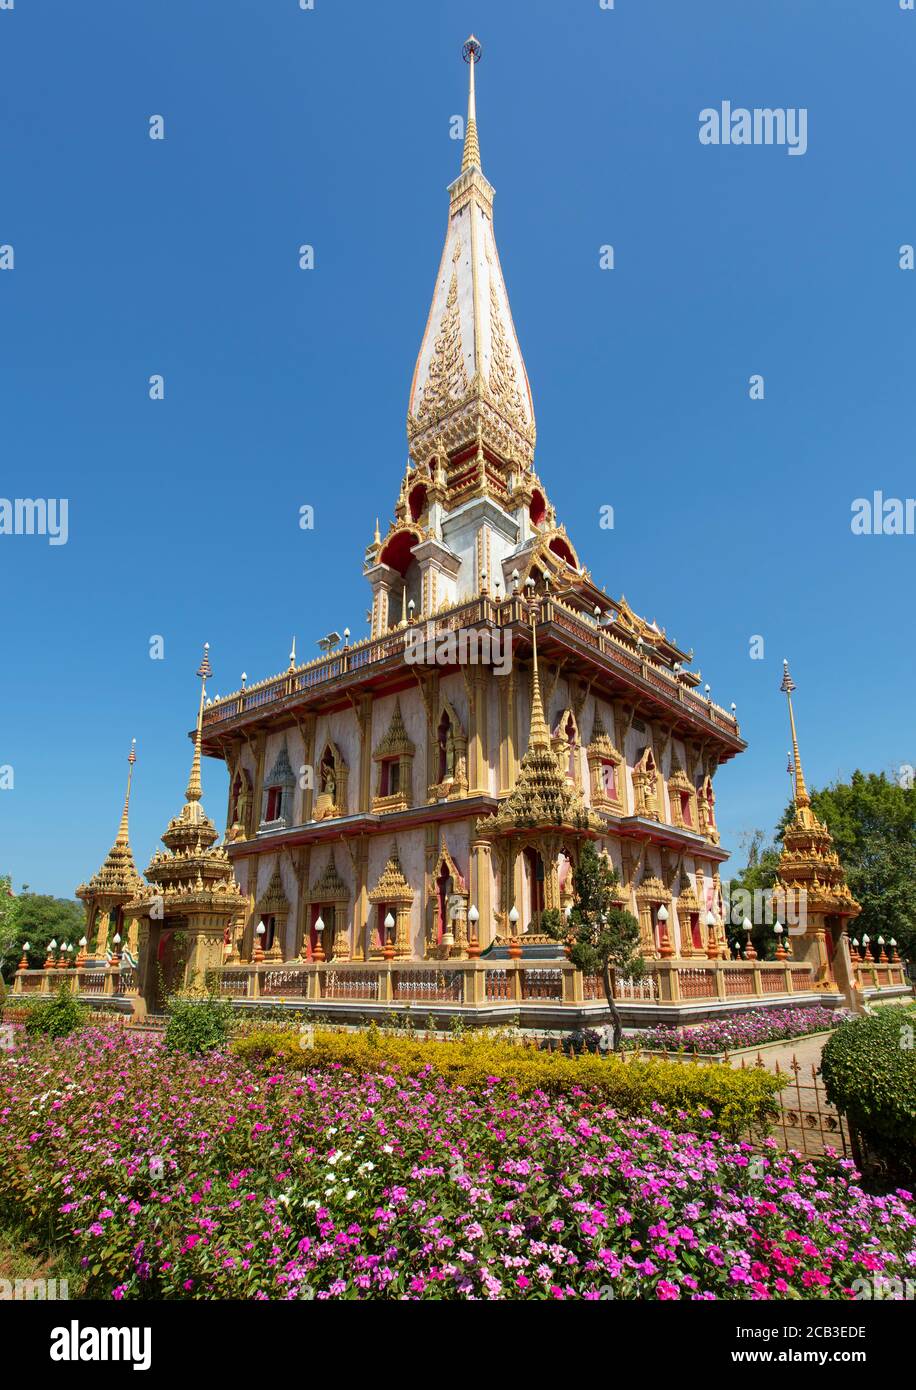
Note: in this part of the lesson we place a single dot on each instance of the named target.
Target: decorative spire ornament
(122, 836)
(471, 53)
(194, 789)
(801, 791)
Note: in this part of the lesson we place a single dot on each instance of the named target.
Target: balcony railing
(372, 651)
(476, 983)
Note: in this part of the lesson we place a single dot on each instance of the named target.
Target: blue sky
(285, 387)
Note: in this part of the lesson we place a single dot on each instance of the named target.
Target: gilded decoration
(393, 757)
(274, 903)
(117, 881)
(645, 786)
(605, 766)
(330, 890)
(393, 890)
(450, 751)
(680, 787)
(333, 774)
(706, 815)
(810, 880)
(447, 381)
(446, 872)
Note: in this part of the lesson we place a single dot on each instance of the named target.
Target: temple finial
(801, 791)
(471, 53)
(538, 735)
(194, 791)
(122, 838)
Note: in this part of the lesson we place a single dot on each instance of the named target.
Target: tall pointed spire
(123, 837)
(471, 53)
(194, 790)
(539, 734)
(470, 368)
(801, 791)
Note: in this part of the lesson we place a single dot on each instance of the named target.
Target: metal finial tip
(472, 49)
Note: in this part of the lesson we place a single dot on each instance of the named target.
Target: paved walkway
(807, 1052)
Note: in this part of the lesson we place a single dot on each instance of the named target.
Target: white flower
(387, 1149)
(351, 1194)
(366, 1167)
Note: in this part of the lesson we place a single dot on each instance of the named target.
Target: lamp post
(81, 958)
(318, 953)
(781, 952)
(866, 953)
(665, 949)
(24, 963)
(473, 938)
(712, 948)
(882, 954)
(515, 945)
(749, 951)
(388, 948)
(895, 957)
(49, 959)
(116, 953)
(260, 932)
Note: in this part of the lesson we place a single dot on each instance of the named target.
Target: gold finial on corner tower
(194, 790)
(123, 836)
(801, 791)
(471, 53)
(538, 734)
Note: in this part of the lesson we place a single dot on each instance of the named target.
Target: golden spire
(471, 54)
(539, 735)
(801, 791)
(194, 791)
(122, 837)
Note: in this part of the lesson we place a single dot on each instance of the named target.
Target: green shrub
(197, 1024)
(869, 1071)
(700, 1098)
(56, 1017)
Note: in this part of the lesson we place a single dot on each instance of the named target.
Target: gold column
(260, 748)
(481, 880)
(359, 855)
(307, 729)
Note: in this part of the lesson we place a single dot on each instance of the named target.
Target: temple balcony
(581, 642)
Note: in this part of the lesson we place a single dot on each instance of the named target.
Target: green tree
(38, 919)
(604, 936)
(9, 911)
(872, 819)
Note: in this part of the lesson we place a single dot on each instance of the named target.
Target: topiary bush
(701, 1099)
(869, 1072)
(197, 1023)
(56, 1017)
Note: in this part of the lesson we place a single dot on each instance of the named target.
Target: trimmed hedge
(869, 1071)
(701, 1099)
(57, 1016)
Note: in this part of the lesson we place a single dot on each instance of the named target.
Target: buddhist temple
(404, 808)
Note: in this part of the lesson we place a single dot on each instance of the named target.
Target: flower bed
(702, 1100)
(175, 1177)
(751, 1029)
